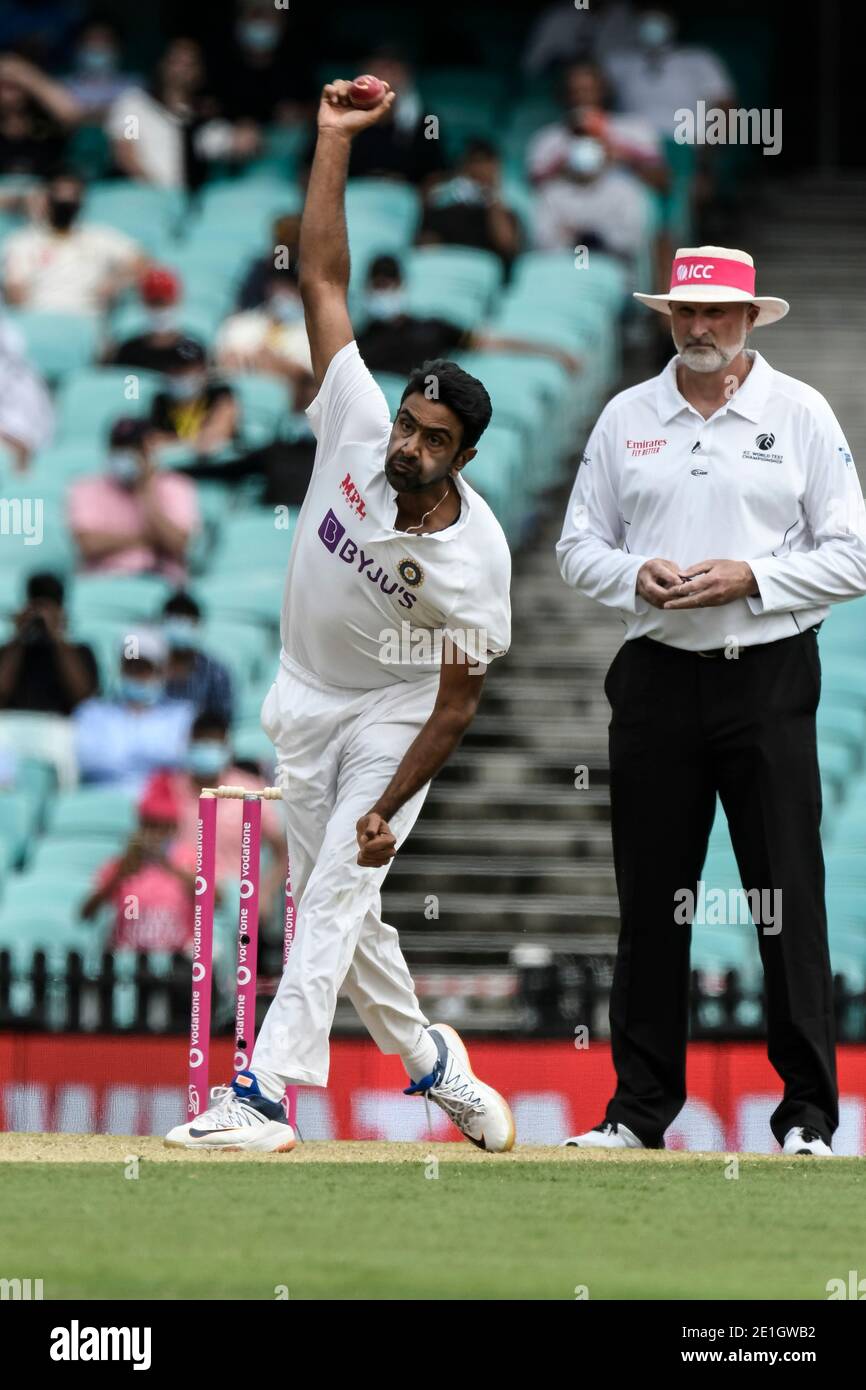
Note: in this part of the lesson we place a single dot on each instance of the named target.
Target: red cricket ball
(366, 91)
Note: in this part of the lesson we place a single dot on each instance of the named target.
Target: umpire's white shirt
(769, 478)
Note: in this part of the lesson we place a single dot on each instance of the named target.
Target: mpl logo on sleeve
(353, 496)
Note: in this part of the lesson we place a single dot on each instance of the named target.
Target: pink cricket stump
(291, 1099)
(248, 931)
(202, 959)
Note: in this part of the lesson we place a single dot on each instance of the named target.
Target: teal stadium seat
(57, 344)
(253, 541)
(455, 282)
(398, 204)
(90, 400)
(148, 214)
(88, 811)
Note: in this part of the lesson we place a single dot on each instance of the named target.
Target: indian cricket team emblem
(411, 573)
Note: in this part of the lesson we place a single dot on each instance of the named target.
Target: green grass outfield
(365, 1221)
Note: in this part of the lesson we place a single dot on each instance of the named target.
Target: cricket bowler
(396, 601)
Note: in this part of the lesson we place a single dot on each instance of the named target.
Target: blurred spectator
(657, 76)
(284, 253)
(469, 209)
(592, 204)
(209, 763)
(192, 407)
(154, 350)
(191, 674)
(134, 518)
(41, 28)
(40, 669)
(567, 31)
(271, 338)
(64, 266)
(396, 341)
(264, 71)
(150, 886)
(125, 737)
(95, 79)
(36, 116)
(167, 134)
(26, 411)
(398, 146)
(630, 142)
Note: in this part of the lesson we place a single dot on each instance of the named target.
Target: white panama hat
(715, 275)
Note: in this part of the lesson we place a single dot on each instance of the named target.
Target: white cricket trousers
(337, 750)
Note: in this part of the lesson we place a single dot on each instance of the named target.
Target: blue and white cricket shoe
(238, 1117)
(479, 1112)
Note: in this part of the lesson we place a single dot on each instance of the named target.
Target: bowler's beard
(709, 358)
(412, 481)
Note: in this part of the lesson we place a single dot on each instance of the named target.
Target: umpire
(717, 509)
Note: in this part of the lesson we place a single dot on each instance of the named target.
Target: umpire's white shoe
(604, 1136)
(239, 1117)
(479, 1112)
(805, 1140)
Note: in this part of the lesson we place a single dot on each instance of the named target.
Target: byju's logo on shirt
(333, 535)
(640, 447)
(353, 496)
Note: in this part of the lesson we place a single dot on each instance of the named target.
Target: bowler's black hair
(443, 381)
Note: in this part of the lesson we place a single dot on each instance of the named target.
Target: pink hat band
(694, 270)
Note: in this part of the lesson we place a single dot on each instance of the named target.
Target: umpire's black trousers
(684, 727)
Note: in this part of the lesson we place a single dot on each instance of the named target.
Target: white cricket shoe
(479, 1112)
(805, 1140)
(239, 1117)
(604, 1136)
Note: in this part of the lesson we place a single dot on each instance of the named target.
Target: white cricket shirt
(363, 602)
(769, 478)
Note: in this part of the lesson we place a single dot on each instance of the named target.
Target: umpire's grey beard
(708, 358)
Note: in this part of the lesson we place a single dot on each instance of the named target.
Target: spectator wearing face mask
(136, 730)
(630, 143)
(470, 209)
(192, 407)
(149, 887)
(282, 253)
(154, 350)
(264, 71)
(133, 518)
(395, 340)
(191, 674)
(208, 762)
(593, 204)
(36, 117)
(64, 265)
(95, 79)
(271, 338)
(40, 669)
(656, 76)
